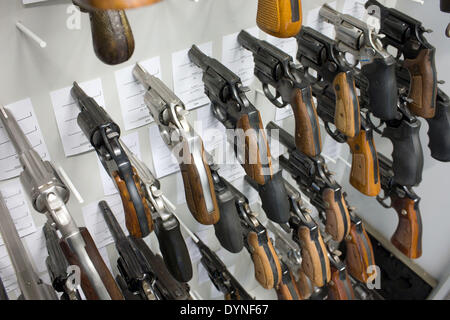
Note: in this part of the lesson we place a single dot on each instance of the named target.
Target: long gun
(316, 52)
(353, 36)
(280, 18)
(406, 34)
(365, 172)
(49, 194)
(103, 134)
(170, 114)
(276, 69)
(408, 234)
(267, 265)
(58, 266)
(3, 294)
(439, 125)
(31, 286)
(112, 36)
(232, 107)
(317, 183)
(167, 226)
(222, 279)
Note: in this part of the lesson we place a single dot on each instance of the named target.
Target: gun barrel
(30, 285)
(199, 58)
(142, 75)
(284, 137)
(111, 222)
(248, 41)
(77, 93)
(329, 14)
(16, 135)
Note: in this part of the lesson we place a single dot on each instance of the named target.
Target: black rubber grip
(382, 91)
(407, 154)
(439, 131)
(229, 230)
(174, 250)
(274, 198)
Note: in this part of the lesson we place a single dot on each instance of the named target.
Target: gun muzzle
(17, 137)
(111, 221)
(248, 41)
(141, 75)
(198, 57)
(77, 93)
(329, 14)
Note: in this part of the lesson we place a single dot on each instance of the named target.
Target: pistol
(112, 36)
(276, 69)
(364, 174)
(103, 134)
(439, 125)
(354, 37)
(170, 114)
(280, 18)
(258, 244)
(340, 286)
(167, 225)
(408, 234)
(318, 53)
(57, 266)
(49, 195)
(232, 107)
(31, 286)
(222, 279)
(406, 34)
(317, 183)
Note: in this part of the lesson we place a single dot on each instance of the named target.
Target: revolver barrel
(18, 138)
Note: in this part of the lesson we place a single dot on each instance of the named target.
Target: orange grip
(280, 18)
(347, 118)
(131, 218)
(266, 262)
(365, 172)
(113, 4)
(337, 216)
(307, 129)
(288, 291)
(359, 254)
(408, 235)
(423, 89)
(340, 287)
(315, 262)
(195, 196)
(304, 285)
(257, 164)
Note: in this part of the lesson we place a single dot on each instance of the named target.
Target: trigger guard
(218, 113)
(272, 98)
(339, 137)
(382, 201)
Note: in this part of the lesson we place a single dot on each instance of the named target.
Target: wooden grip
(280, 18)
(408, 235)
(307, 129)
(304, 285)
(365, 172)
(337, 216)
(266, 262)
(111, 35)
(359, 254)
(257, 163)
(340, 287)
(195, 196)
(131, 218)
(315, 262)
(423, 89)
(99, 264)
(288, 290)
(113, 4)
(347, 118)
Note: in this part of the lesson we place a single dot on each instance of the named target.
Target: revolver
(57, 266)
(232, 107)
(170, 114)
(167, 226)
(316, 52)
(103, 134)
(49, 196)
(280, 18)
(408, 234)
(317, 183)
(407, 36)
(276, 69)
(353, 36)
(340, 286)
